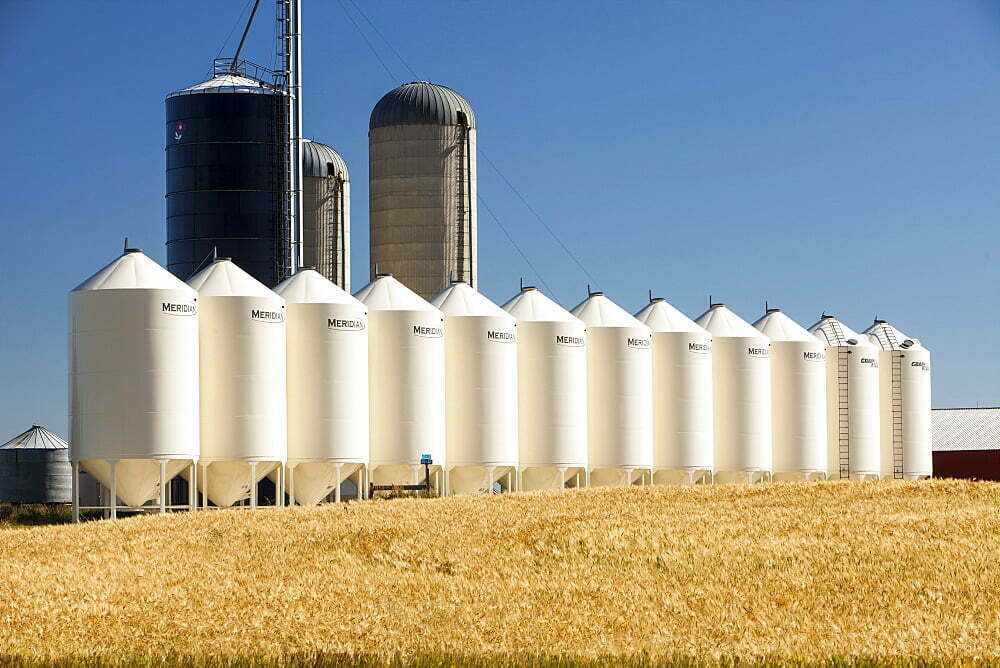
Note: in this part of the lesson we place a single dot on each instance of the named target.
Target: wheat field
(803, 571)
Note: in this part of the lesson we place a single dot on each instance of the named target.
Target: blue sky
(837, 156)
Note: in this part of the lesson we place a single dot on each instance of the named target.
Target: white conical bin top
(132, 270)
(723, 323)
(599, 311)
(309, 286)
(223, 278)
(779, 327)
(386, 293)
(833, 332)
(463, 299)
(531, 305)
(661, 316)
(885, 336)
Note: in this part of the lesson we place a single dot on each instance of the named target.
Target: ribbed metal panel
(319, 160)
(224, 180)
(35, 476)
(421, 103)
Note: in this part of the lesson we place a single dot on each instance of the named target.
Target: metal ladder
(897, 414)
(843, 412)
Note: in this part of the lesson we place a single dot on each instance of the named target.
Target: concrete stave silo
(798, 398)
(406, 383)
(243, 409)
(326, 213)
(852, 382)
(682, 395)
(327, 371)
(552, 392)
(422, 188)
(134, 382)
(741, 379)
(619, 393)
(904, 403)
(225, 177)
(480, 351)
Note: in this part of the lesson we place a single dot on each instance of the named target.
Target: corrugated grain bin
(552, 391)
(243, 409)
(35, 468)
(741, 379)
(905, 403)
(406, 382)
(133, 377)
(682, 395)
(327, 355)
(619, 393)
(852, 413)
(798, 398)
(480, 358)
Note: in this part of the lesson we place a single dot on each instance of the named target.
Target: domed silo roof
(421, 103)
(317, 158)
(226, 83)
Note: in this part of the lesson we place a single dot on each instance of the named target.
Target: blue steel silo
(228, 176)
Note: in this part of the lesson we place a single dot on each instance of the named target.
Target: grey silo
(326, 213)
(35, 468)
(422, 188)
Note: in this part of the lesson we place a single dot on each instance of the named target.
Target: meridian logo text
(178, 309)
(500, 337)
(345, 325)
(819, 357)
(429, 332)
(266, 316)
(638, 343)
(757, 352)
(569, 340)
(700, 348)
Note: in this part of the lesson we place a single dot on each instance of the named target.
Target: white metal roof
(885, 336)
(386, 292)
(463, 299)
(132, 270)
(779, 327)
(599, 311)
(965, 429)
(310, 286)
(833, 332)
(662, 316)
(227, 83)
(722, 322)
(36, 438)
(531, 305)
(223, 278)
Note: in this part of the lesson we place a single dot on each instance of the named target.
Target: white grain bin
(480, 389)
(619, 393)
(682, 395)
(904, 404)
(551, 391)
(741, 378)
(852, 401)
(133, 378)
(798, 398)
(406, 382)
(243, 413)
(327, 346)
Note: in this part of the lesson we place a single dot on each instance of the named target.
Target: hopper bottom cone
(403, 474)
(550, 477)
(476, 479)
(136, 480)
(225, 483)
(308, 483)
(617, 477)
(682, 477)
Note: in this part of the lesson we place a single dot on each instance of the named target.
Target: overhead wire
(493, 165)
(367, 41)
